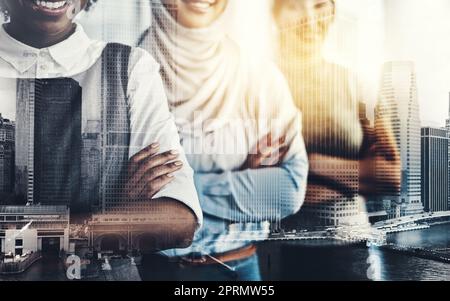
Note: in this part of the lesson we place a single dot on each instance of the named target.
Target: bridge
(413, 219)
(441, 255)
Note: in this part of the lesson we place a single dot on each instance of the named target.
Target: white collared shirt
(78, 58)
(73, 56)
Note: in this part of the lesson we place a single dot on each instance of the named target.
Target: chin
(201, 24)
(49, 27)
(197, 21)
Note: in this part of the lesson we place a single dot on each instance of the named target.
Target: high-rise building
(7, 146)
(398, 106)
(57, 142)
(435, 143)
(447, 126)
(24, 141)
(376, 209)
(91, 158)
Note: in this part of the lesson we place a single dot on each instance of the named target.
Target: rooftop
(45, 210)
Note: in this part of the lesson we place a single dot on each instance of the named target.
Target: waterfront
(321, 260)
(46, 269)
(334, 260)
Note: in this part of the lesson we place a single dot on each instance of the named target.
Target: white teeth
(50, 5)
(201, 4)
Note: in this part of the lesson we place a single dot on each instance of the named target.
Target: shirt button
(43, 67)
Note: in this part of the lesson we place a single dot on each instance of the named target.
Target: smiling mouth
(50, 8)
(49, 4)
(200, 6)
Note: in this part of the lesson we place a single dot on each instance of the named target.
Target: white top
(74, 58)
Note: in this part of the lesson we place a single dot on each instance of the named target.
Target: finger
(275, 158)
(259, 160)
(281, 140)
(150, 150)
(163, 170)
(271, 145)
(155, 173)
(282, 152)
(160, 159)
(139, 157)
(156, 185)
(152, 162)
(264, 142)
(276, 153)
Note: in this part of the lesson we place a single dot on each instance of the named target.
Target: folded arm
(254, 195)
(159, 178)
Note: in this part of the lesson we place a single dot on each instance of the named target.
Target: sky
(419, 31)
(413, 30)
(361, 23)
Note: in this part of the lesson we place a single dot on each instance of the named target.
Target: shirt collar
(66, 53)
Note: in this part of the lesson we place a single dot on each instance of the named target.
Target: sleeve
(255, 195)
(151, 121)
(267, 194)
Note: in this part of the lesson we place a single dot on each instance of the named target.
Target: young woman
(241, 132)
(92, 125)
(342, 152)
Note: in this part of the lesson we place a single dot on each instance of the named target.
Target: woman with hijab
(241, 132)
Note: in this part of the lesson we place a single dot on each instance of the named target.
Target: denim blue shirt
(238, 206)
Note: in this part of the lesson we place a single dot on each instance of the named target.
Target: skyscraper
(24, 174)
(375, 208)
(57, 142)
(398, 105)
(7, 146)
(447, 126)
(91, 165)
(435, 143)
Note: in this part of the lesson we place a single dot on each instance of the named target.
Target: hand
(149, 172)
(331, 177)
(380, 164)
(333, 174)
(266, 153)
(376, 182)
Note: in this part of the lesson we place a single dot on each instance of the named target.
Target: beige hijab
(201, 68)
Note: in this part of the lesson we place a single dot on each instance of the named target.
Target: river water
(335, 261)
(324, 261)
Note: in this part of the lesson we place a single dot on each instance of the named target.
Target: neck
(35, 38)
